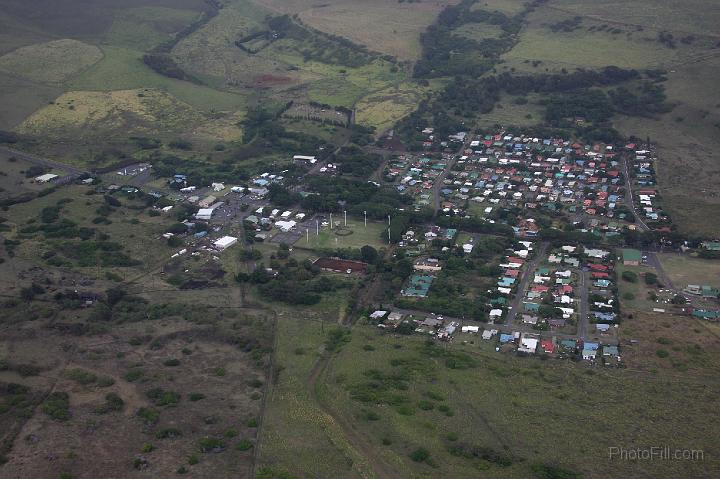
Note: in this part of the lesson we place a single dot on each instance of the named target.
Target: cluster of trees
(446, 53)
(354, 161)
(355, 196)
(294, 283)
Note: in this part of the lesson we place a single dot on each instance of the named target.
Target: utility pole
(307, 231)
(345, 220)
(331, 225)
(317, 227)
(388, 229)
(365, 215)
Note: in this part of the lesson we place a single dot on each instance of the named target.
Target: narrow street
(583, 319)
(516, 304)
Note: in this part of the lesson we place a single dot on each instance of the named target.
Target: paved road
(72, 172)
(503, 328)
(516, 304)
(583, 319)
(629, 195)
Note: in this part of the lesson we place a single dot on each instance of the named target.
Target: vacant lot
(469, 408)
(160, 396)
(684, 270)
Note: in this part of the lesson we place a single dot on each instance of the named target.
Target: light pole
(365, 215)
(345, 220)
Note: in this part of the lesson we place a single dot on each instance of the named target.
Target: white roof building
(45, 178)
(225, 242)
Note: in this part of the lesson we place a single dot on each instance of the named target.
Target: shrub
(211, 444)
(169, 433)
(172, 362)
(133, 375)
(651, 278)
(244, 445)
(57, 406)
(160, 397)
(426, 405)
(420, 454)
(193, 459)
(148, 415)
(113, 402)
(196, 396)
(630, 276)
(252, 422)
(147, 447)
(255, 383)
(662, 353)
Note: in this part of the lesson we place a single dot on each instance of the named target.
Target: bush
(160, 397)
(662, 353)
(113, 402)
(244, 445)
(169, 433)
(57, 406)
(651, 278)
(193, 459)
(630, 276)
(172, 362)
(148, 415)
(420, 454)
(211, 444)
(196, 396)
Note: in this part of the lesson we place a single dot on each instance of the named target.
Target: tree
(368, 254)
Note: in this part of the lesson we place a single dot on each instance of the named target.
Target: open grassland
(123, 69)
(698, 17)
(177, 392)
(508, 112)
(386, 107)
(386, 27)
(592, 44)
(124, 111)
(684, 270)
(143, 27)
(474, 412)
(293, 421)
(508, 7)
(670, 345)
(210, 53)
(51, 62)
(137, 233)
(20, 98)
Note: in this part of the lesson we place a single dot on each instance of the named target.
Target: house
(610, 351)
(547, 346)
(225, 242)
(429, 264)
(45, 178)
(631, 257)
(285, 226)
(528, 319)
(489, 333)
(471, 329)
(506, 338)
(589, 354)
(204, 213)
(528, 343)
(378, 314)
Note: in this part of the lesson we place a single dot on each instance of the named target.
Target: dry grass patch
(51, 62)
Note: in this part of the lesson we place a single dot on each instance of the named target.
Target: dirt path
(380, 468)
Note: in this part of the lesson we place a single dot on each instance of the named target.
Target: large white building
(225, 242)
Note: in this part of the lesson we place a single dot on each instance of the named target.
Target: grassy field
(51, 62)
(386, 27)
(371, 235)
(293, 420)
(684, 270)
(516, 412)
